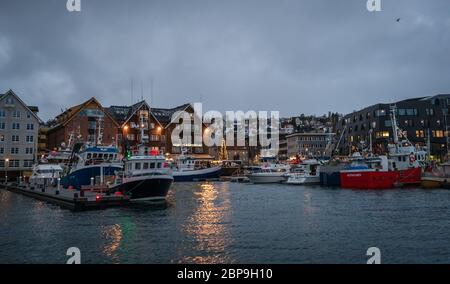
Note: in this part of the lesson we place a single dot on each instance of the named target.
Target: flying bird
(398, 20)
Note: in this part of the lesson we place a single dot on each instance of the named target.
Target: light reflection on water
(208, 225)
(235, 223)
(113, 235)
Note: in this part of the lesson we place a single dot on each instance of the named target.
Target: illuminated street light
(6, 170)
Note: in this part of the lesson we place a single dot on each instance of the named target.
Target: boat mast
(394, 124)
(340, 139)
(446, 134)
(100, 132)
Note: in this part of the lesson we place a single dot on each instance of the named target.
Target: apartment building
(19, 126)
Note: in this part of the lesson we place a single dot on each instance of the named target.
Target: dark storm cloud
(293, 56)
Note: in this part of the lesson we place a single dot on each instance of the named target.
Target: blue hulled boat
(98, 162)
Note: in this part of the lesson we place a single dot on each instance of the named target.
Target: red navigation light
(118, 193)
(154, 152)
(98, 198)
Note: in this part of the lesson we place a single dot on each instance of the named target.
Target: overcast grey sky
(294, 56)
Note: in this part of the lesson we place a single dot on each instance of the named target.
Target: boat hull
(380, 179)
(431, 182)
(146, 189)
(330, 179)
(311, 180)
(255, 178)
(197, 175)
(81, 177)
(228, 171)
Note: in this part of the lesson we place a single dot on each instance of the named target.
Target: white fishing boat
(45, 175)
(308, 172)
(267, 175)
(189, 168)
(145, 178)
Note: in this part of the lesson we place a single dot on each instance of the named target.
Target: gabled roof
(123, 114)
(73, 111)
(32, 109)
(164, 115)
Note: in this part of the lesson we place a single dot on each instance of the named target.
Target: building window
(30, 126)
(2, 113)
(15, 138)
(438, 133)
(380, 112)
(28, 115)
(9, 101)
(28, 151)
(16, 126)
(30, 139)
(14, 151)
(14, 163)
(2, 125)
(420, 134)
(387, 123)
(429, 111)
(2, 138)
(16, 113)
(409, 123)
(131, 137)
(2, 150)
(27, 163)
(382, 134)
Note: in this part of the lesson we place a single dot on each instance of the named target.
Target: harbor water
(224, 222)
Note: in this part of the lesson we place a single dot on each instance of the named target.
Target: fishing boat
(401, 166)
(267, 175)
(45, 175)
(306, 173)
(188, 168)
(91, 164)
(230, 167)
(438, 177)
(269, 170)
(146, 177)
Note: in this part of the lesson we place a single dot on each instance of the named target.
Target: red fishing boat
(402, 165)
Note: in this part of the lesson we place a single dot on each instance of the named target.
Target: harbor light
(125, 128)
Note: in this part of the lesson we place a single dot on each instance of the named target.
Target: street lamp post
(6, 170)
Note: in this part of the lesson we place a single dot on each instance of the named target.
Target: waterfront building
(87, 122)
(132, 119)
(19, 126)
(168, 118)
(42, 146)
(311, 144)
(424, 119)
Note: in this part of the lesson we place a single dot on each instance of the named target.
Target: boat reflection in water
(209, 225)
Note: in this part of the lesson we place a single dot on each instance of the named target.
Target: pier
(69, 199)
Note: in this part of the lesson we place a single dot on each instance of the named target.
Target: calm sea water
(235, 223)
